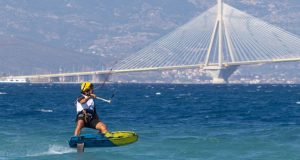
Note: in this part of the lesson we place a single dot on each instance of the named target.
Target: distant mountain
(109, 29)
(114, 27)
(24, 57)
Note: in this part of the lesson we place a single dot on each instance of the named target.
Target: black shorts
(91, 121)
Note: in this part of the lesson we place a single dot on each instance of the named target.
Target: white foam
(53, 150)
(158, 93)
(3, 93)
(57, 149)
(46, 110)
(258, 87)
(298, 102)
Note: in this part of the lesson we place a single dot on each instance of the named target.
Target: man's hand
(93, 96)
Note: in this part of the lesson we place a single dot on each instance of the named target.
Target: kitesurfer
(86, 111)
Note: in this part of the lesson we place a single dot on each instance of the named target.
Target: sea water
(174, 122)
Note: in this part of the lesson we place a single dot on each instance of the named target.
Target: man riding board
(86, 111)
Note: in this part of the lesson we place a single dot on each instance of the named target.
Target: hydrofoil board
(118, 138)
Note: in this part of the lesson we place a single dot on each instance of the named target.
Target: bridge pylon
(219, 43)
(220, 74)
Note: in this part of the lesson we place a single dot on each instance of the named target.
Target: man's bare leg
(101, 127)
(80, 125)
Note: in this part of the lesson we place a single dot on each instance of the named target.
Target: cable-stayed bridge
(218, 41)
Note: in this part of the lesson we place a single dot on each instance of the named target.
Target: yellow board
(120, 138)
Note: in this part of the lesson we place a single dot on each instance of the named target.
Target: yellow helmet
(85, 86)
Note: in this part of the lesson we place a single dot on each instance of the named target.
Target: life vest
(89, 105)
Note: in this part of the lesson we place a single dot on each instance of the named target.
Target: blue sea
(174, 122)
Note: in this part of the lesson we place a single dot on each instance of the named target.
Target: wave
(184, 94)
(53, 150)
(3, 93)
(298, 102)
(45, 110)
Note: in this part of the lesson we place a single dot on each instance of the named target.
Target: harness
(86, 111)
(88, 116)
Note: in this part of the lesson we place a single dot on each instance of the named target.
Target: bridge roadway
(104, 72)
